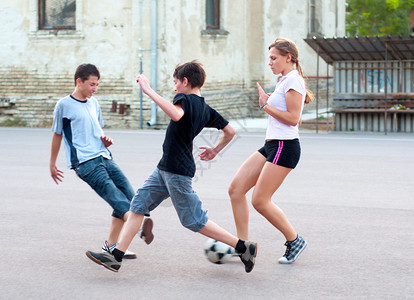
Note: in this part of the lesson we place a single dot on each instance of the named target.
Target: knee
(194, 220)
(259, 203)
(194, 227)
(235, 193)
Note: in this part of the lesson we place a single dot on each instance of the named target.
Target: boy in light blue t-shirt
(78, 121)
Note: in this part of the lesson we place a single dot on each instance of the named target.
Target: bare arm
(226, 137)
(57, 175)
(175, 112)
(293, 103)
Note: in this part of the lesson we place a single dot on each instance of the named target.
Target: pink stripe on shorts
(279, 150)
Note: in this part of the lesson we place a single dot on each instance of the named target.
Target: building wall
(37, 66)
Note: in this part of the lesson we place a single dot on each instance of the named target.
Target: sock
(240, 247)
(118, 254)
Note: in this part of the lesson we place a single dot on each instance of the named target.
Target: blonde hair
(286, 47)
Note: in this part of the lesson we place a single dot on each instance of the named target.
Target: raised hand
(144, 83)
(262, 95)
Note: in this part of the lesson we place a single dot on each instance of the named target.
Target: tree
(378, 17)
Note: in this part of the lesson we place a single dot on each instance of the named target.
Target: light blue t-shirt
(81, 124)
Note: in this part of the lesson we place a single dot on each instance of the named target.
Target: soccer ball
(218, 252)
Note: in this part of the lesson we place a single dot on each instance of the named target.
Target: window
(214, 29)
(213, 14)
(57, 14)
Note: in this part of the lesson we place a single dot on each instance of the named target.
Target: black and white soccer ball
(218, 252)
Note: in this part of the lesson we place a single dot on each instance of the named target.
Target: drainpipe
(154, 21)
(140, 58)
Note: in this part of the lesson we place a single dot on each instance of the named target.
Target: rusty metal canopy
(363, 48)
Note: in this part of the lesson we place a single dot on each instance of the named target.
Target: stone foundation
(28, 98)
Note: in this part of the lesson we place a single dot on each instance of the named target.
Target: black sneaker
(105, 259)
(146, 231)
(293, 250)
(248, 257)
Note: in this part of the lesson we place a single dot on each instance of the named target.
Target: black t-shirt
(178, 144)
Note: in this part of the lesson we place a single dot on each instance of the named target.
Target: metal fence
(369, 77)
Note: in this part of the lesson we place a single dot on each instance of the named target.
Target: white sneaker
(128, 254)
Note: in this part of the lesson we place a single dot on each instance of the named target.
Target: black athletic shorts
(285, 153)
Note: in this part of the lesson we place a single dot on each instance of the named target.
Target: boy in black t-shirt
(173, 176)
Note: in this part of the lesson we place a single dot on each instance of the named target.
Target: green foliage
(378, 17)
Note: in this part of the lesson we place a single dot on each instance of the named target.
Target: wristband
(263, 105)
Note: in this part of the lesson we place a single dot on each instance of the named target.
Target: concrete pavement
(351, 198)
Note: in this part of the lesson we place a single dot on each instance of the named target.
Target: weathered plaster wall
(37, 66)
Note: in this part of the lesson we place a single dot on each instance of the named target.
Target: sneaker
(293, 250)
(248, 257)
(146, 231)
(106, 248)
(105, 259)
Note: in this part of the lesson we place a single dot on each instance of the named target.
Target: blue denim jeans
(161, 185)
(108, 181)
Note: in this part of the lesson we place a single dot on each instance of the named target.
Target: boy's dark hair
(193, 71)
(85, 70)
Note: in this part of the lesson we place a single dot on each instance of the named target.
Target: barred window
(57, 14)
(213, 14)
